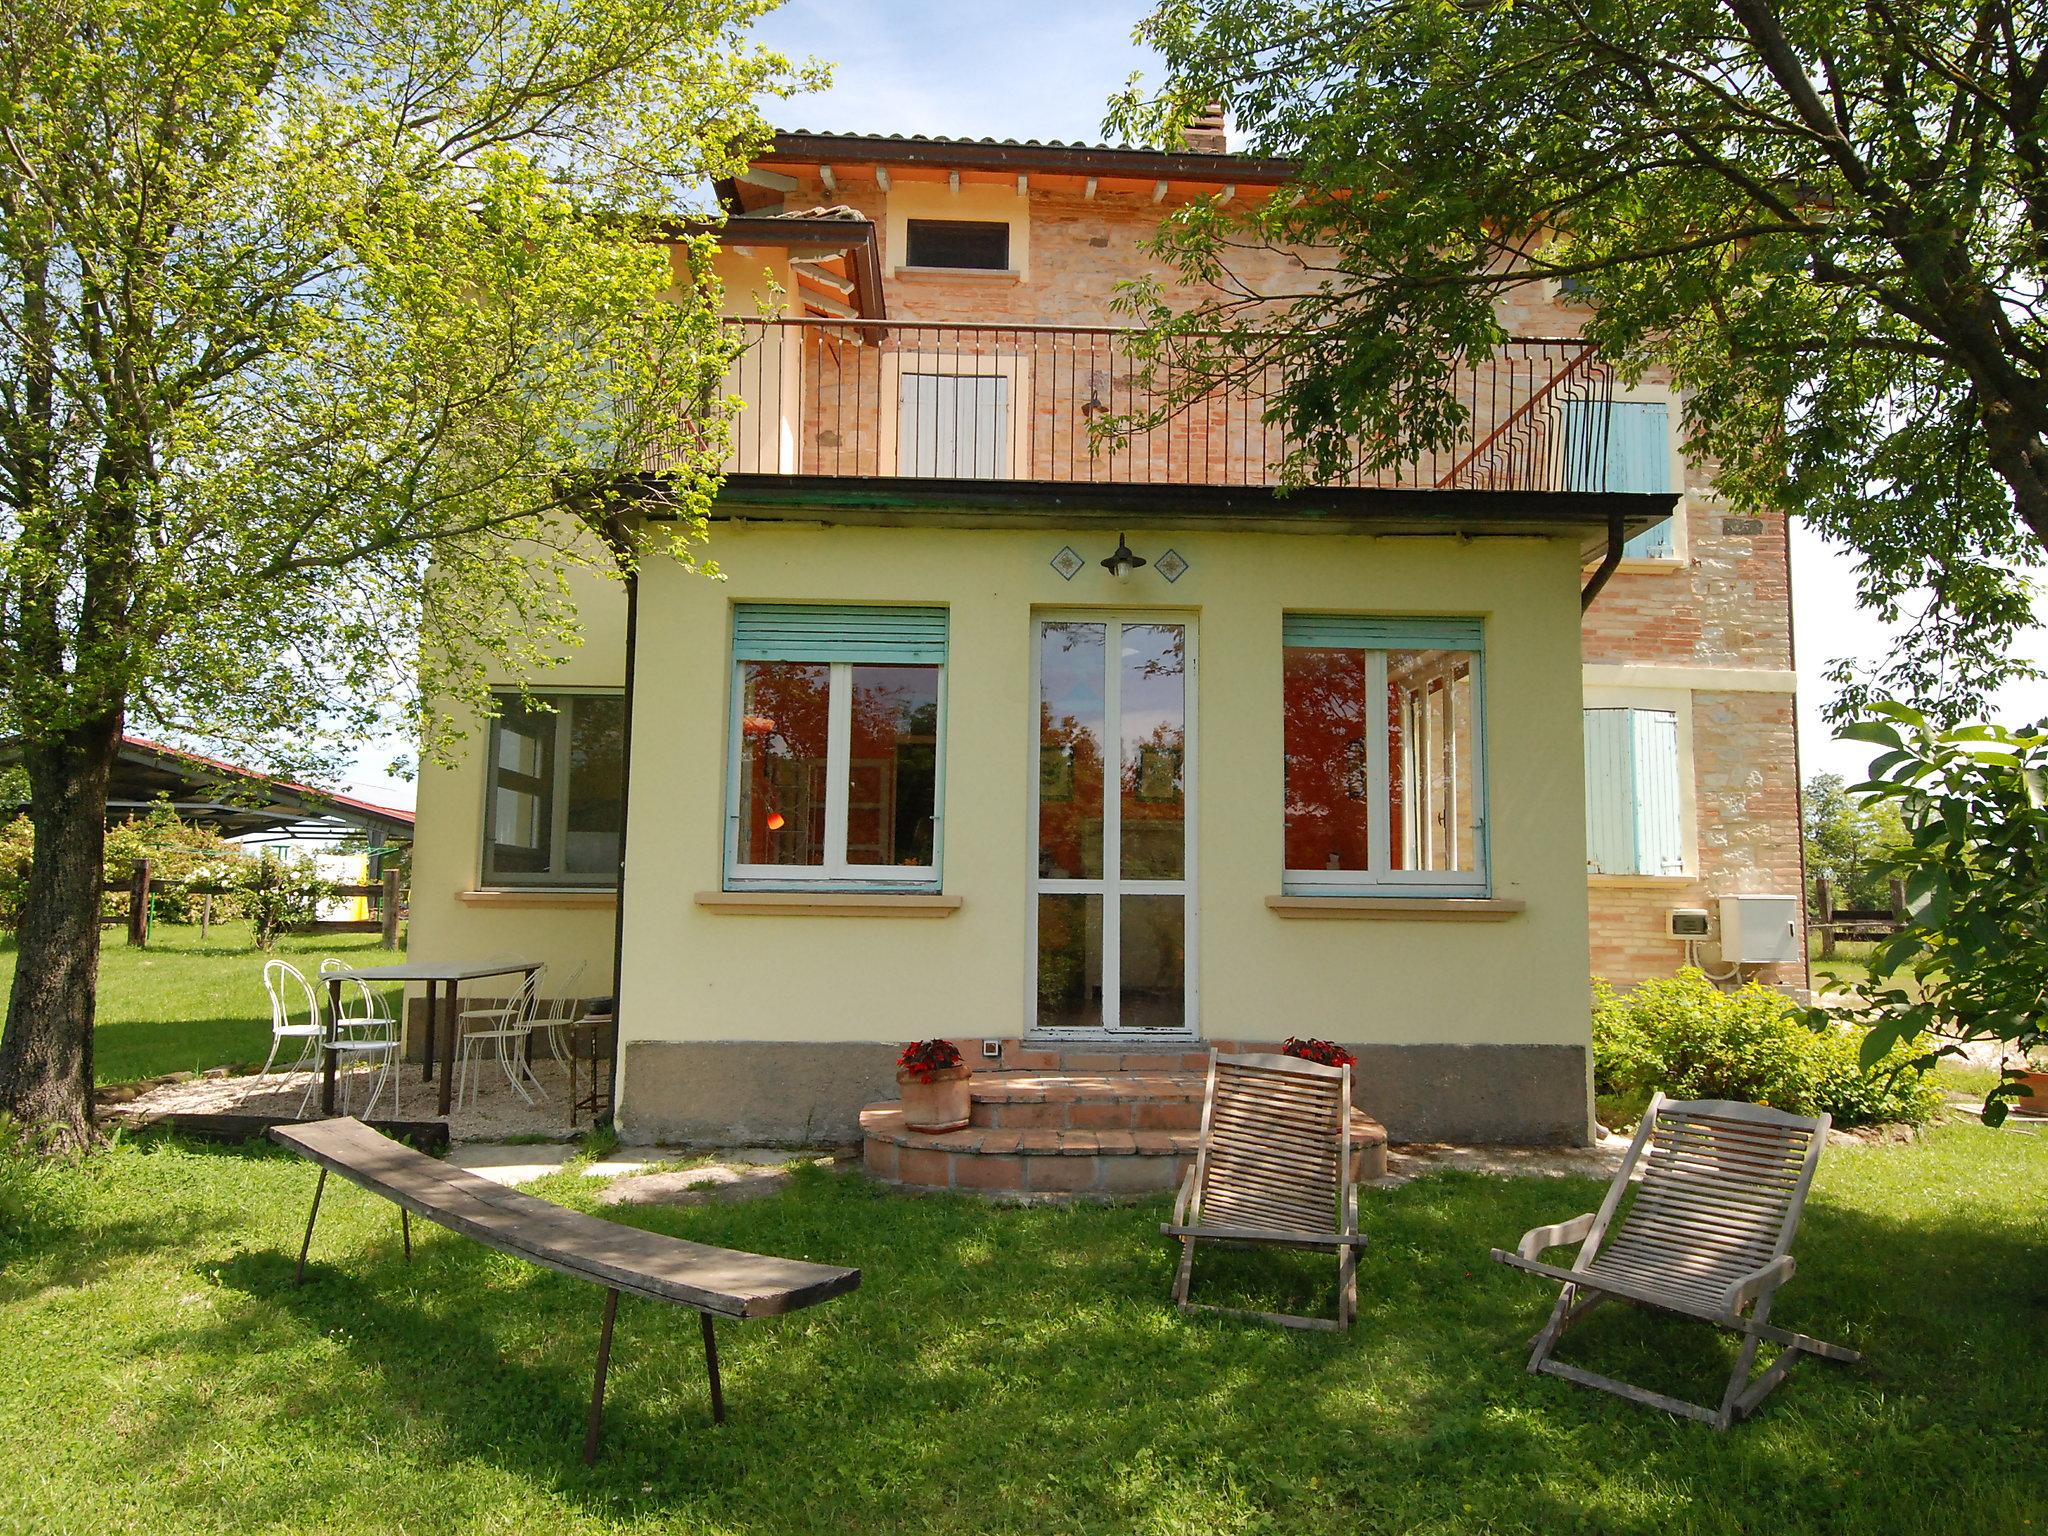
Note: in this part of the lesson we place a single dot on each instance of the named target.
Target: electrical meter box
(1759, 930)
(1687, 923)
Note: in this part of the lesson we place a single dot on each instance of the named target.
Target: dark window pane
(597, 768)
(1152, 968)
(784, 710)
(1070, 962)
(1323, 731)
(958, 243)
(892, 767)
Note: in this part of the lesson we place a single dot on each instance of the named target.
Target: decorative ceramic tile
(1170, 565)
(1067, 563)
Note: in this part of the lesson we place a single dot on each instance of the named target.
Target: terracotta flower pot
(941, 1103)
(2034, 1101)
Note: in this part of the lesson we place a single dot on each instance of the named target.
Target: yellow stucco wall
(695, 974)
(448, 856)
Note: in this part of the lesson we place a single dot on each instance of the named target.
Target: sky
(1046, 72)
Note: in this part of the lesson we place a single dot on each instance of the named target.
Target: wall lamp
(1123, 562)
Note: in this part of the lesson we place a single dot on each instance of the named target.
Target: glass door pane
(1111, 883)
(1153, 704)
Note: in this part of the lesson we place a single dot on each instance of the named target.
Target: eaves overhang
(906, 502)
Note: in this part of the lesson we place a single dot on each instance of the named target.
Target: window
(1384, 791)
(970, 243)
(1634, 814)
(1638, 461)
(555, 811)
(835, 762)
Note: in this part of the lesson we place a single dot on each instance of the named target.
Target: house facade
(1089, 760)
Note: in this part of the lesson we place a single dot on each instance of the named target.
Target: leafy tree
(1828, 223)
(1849, 838)
(1976, 873)
(318, 325)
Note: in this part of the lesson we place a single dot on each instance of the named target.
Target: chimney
(1206, 134)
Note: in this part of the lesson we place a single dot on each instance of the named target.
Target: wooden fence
(387, 902)
(1834, 924)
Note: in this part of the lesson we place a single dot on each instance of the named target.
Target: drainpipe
(621, 542)
(1617, 536)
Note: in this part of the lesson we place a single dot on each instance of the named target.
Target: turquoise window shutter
(1610, 794)
(1638, 461)
(1339, 631)
(1660, 849)
(1633, 825)
(839, 632)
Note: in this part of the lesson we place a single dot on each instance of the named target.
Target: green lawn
(183, 1004)
(1001, 1370)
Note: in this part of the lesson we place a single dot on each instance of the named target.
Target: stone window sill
(1655, 565)
(972, 274)
(829, 903)
(1400, 909)
(1643, 882)
(542, 896)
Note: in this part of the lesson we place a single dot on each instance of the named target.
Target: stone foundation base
(796, 1093)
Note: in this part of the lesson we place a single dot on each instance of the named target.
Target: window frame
(835, 874)
(556, 782)
(1380, 878)
(912, 221)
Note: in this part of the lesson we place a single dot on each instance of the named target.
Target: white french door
(1112, 908)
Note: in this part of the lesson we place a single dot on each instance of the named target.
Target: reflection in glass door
(1114, 786)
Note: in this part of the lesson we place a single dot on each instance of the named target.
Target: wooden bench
(713, 1282)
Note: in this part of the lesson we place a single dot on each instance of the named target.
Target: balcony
(874, 399)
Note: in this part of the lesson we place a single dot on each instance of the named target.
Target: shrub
(279, 893)
(1685, 1037)
(1321, 1051)
(925, 1059)
(179, 854)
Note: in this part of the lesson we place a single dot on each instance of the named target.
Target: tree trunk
(46, 1050)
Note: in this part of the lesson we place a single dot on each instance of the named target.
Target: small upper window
(970, 243)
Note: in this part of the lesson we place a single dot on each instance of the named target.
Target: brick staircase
(1070, 1123)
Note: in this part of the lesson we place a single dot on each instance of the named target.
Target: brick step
(1087, 1101)
(1101, 1134)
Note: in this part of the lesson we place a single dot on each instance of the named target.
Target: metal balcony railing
(867, 398)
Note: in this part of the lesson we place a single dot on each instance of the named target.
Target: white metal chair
(361, 1023)
(554, 1017)
(283, 1026)
(505, 1028)
(290, 990)
(362, 1011)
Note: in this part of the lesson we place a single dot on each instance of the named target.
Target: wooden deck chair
(1273, 1167)
(1708, 1233)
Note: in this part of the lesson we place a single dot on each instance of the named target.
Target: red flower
(1322, 1051)
(926, 1059)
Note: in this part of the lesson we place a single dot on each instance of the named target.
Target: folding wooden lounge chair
(1273, 1167)
(1708, 1233)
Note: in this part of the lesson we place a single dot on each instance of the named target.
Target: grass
(1001, 1370)
(185, 1004)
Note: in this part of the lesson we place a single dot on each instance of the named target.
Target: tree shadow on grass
(1024, 1370)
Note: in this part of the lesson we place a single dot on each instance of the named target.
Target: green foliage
(1848, 841)
(1685, 1037)
(330, 327)
(178, 853)
(1971, 964)
(1823, 223)
(277, 893)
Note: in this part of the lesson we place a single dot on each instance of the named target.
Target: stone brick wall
(1746, 788)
